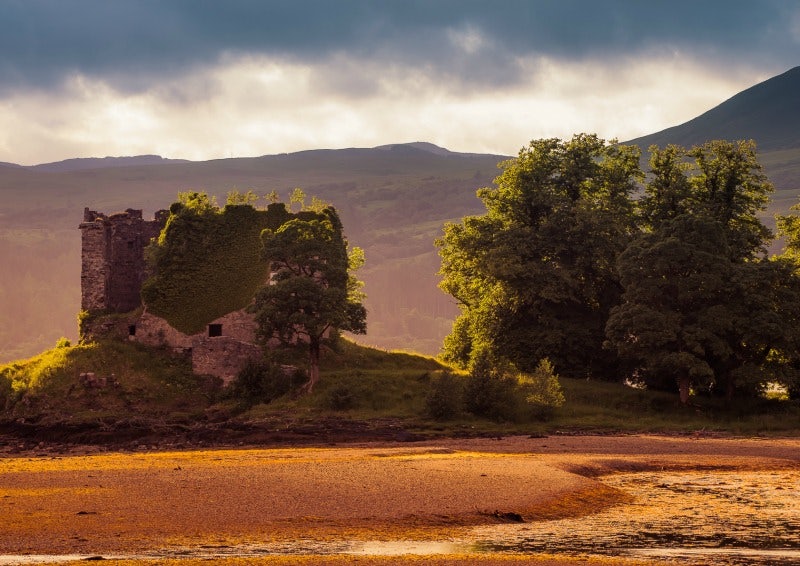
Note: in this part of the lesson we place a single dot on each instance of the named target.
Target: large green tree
(702, 302)
(673, 313)
(312, 290)
(535, 276)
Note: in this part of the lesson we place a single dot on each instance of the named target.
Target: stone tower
(112, 258)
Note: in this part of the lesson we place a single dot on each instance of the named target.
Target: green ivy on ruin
(206, 261)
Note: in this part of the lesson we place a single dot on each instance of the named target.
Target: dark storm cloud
(132, 44)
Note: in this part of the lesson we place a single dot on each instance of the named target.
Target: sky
(207, 79)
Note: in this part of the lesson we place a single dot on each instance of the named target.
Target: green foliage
(490, 391)
(542, 388)
(195, 255)
(385, 390)
(535, 275)
(678, 283)
(6, 389)
(84, 318)
(341, 397)
(496, 390)
(702, 305)
(673, 310)
(263, 382)
(128, 382)
(445, 398)
(236, 197)
(312, 291)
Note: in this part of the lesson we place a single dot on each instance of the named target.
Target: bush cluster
(264, 381)
(496, 392)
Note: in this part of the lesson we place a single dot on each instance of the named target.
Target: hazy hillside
(393, 201)
(768, 113)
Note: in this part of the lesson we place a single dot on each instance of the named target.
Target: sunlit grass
(25, 375)
(378, 387)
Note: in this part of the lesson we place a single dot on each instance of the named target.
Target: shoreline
(106, 502)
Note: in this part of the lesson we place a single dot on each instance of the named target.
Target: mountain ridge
(109, 162)
(393, 201)
(768, 112)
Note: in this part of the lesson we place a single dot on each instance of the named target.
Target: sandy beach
(91, 502)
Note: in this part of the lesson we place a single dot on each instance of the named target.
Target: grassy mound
(105, 383)
(102, 382)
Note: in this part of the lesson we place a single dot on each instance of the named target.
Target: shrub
(489, 391)
(262, 382)
(445, 399)
(341, 397)
(542, 389)
(497, 391)
(6, 392)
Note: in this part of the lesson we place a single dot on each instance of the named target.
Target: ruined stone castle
(113, 268)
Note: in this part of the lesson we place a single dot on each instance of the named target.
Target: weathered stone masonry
(113, 269)
(112, 258)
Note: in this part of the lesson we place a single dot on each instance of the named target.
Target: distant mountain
(81, 163)
(422, 146)
(393, 200)
(768, 112)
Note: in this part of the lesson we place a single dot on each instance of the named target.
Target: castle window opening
(130, 245)
(132, 330)
(214, 330)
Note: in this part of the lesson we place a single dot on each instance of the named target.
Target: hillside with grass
(768, 113)
(122, 394)
(393, 201)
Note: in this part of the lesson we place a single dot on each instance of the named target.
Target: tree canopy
(673, 289)
(535, 276)
(312, 290)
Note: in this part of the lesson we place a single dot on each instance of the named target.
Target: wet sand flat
(129, 502)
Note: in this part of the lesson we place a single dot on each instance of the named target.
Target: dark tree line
(662, 278)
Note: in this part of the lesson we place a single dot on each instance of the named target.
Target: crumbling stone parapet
(112, 258)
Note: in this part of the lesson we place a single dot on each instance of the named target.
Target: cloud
(131, 45)
(247, 105)
(199, 80)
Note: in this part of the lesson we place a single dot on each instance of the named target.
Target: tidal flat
(637, 499)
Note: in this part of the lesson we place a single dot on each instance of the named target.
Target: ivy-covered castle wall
(188, 291)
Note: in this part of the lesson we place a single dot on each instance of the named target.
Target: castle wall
(94, 263)
(222, 356)
(154, 331)
(113, 267)
(126, 260)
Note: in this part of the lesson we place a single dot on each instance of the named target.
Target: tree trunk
(683, 389)
(729, 388)
(313, 365)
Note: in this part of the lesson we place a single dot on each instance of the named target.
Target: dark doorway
(215, 330)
